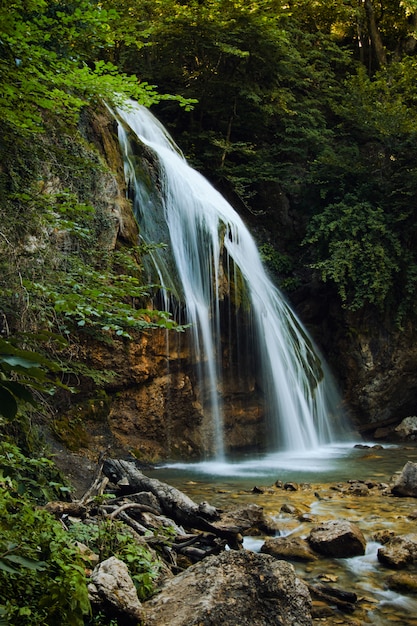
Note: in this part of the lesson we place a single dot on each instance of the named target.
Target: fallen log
(174, 504)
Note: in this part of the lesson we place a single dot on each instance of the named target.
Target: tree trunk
(376, 40)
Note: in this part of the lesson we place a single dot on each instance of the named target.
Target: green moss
(71, 432)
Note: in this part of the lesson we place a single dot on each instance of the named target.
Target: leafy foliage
(34, 478)
(42, 578)
(112, 538)
(362, 254)
(21, 373)
(50, 61)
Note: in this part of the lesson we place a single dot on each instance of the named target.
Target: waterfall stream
(212, 270)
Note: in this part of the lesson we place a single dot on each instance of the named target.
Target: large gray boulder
(406, 483)
(337, 539)
(237, 588)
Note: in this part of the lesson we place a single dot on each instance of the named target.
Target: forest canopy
(313, 99)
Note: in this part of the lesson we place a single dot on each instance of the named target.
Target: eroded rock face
(337, 539)
(377, 367)
(235, 588)
(154, 406)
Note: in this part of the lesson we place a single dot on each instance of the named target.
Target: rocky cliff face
(380, 372)
(153, 407)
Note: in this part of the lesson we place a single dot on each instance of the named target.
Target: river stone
(292, 548)
(237, 588)
(406, 483)
(338, 539)
(403, 582)
(246, 518)
(399, 551)
(112, 588)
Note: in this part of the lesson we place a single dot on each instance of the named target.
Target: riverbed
(321, 485)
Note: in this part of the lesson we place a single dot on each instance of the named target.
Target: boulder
(399, 552)
(407, 429)
(338, 539)
(406, 483)
(112, 589)
(248, 519)
(289, 548)
(237, 588)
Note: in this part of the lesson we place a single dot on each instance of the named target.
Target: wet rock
(338, 539)
(358, 488)
(245, 519)
(112, 588)
(308, 517)
(406, 483)
(343, 600)
(407, 429)
(290, 509)
(399, 552)
(287, 548)
(291, 486)
(235, 588)
(384, 536)
(403, 582)
(321, 609)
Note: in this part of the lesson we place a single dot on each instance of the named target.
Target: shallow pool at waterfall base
(330, 463)
(318, 476)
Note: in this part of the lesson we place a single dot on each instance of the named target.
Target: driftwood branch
(132, 505)
(97, 487)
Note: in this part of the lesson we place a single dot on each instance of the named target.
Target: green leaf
(14, 361)
(25, 562)
(4, 567)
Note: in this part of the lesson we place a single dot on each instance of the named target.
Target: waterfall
(212, 269)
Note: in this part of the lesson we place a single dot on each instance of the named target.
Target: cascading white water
(215, 254)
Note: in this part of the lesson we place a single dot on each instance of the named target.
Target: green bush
(42, 577)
